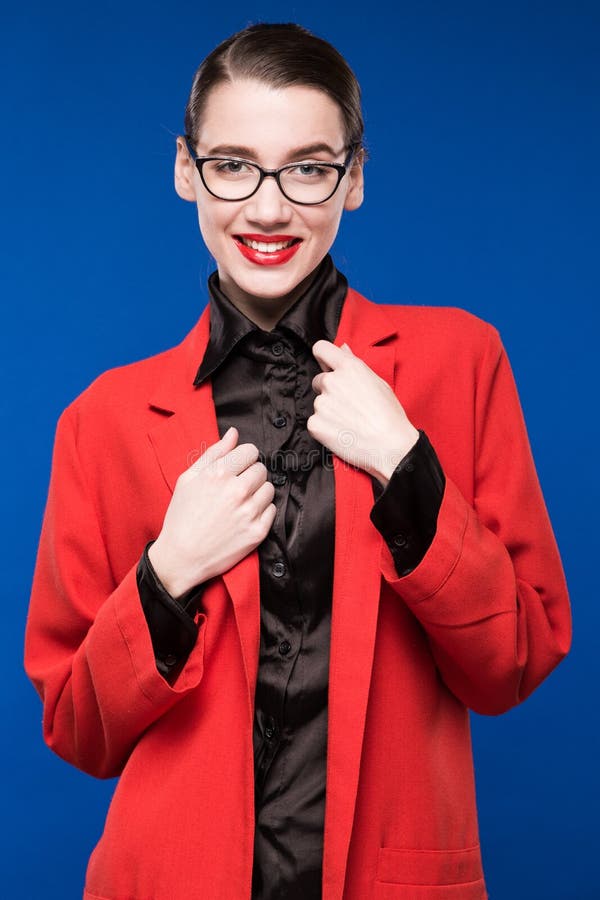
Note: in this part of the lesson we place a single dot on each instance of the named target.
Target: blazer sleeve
(88, 649)
(490, 591)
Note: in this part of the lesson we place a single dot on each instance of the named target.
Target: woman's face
(273, 125)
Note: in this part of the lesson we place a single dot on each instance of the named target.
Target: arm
(88, 649)
(490, 591)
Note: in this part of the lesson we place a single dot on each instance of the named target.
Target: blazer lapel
(356, 590)
(188, 427)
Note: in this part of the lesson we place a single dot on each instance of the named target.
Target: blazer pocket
(425, 874)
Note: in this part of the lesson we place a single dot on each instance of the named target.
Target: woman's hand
(356, 413)
(221, 510)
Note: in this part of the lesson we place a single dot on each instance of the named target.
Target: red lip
(269, 238)
(273, 258)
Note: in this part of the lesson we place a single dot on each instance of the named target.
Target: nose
(268, 206)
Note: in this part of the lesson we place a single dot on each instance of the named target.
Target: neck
(266, 311)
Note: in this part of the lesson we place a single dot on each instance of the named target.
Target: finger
(268, 517)
(264, 495)
(238, 459)
(218, 449)
(328, 355)
(253, 477)
(318, 383)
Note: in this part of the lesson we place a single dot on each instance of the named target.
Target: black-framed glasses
(306, 183)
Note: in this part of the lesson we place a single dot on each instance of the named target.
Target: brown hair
(280, 55)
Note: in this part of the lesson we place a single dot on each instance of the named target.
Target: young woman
(281, 561)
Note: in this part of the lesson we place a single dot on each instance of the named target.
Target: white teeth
(266, 248)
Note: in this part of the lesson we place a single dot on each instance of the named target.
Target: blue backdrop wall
(481, 192)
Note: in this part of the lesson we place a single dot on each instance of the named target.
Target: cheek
(210, 226)
(328, 227)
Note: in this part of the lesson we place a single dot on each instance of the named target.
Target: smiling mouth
(266, 246)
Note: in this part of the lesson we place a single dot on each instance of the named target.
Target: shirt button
(279, 478)
(170, 659)
(270, 732)
(279, 421)
(278, 569)
(409, 467)
(400, 540)
(277, 349)
(285, 647)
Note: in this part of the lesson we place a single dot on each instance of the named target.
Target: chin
(271, 284)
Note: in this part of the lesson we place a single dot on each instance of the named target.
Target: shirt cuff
(405, 510)
(171, 623)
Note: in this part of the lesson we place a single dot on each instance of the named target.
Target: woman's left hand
(356, 413)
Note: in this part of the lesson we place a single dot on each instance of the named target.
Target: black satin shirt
(261, 382)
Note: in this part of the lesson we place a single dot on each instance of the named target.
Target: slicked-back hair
(279, 55)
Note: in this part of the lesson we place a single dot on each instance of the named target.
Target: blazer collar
(186, 426)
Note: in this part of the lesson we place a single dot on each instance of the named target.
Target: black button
(409, 467)
(285, 647)
(278, 569)
(279, 421)
(170, 659)
(400, 540)
(270, 732)
(277, 349)
(279, 478)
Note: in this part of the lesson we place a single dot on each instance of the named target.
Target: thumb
(346, 349)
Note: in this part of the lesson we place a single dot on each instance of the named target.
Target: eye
(309, 170)
(231, 167)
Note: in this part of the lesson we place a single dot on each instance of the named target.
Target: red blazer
(477, 625)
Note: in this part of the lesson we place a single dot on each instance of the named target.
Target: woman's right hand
(221, 510)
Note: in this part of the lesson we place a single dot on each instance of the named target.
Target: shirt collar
(313, 316)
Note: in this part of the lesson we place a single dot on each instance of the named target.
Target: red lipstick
(273, 258)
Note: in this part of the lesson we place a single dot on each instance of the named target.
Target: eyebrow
(249, 153)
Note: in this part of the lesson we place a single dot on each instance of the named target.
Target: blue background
(481, 192)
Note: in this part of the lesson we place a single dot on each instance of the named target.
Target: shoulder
(441, 329)
(120, 399)
(124, 383)
(440, 322)
(447, 329)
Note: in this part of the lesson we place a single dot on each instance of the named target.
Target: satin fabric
(261, 383)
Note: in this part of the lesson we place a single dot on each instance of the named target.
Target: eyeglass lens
(233, 179)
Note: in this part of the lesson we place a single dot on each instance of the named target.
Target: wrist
(164, 572)
(389, 459)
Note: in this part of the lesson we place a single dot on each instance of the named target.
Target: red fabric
(478, 624)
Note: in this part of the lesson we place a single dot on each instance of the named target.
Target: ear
(355, 192)
(185, 169)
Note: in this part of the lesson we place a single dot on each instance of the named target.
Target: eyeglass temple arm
(191, 151)
(353, 147)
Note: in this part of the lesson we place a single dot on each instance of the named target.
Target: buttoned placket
(277, 576)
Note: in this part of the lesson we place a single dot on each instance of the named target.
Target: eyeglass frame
(341, 169)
